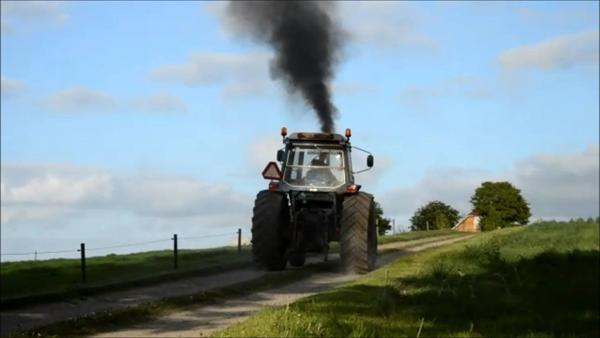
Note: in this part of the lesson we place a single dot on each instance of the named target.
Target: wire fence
(37, 253)
(83, 250)
(118, 246)
(128, 245)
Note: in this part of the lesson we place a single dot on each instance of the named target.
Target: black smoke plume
(306, 43)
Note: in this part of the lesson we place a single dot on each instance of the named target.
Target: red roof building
(469, 223)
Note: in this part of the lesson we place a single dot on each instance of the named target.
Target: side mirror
(370, 161)
(280, 155)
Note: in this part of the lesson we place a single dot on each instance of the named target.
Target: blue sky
(150, 118)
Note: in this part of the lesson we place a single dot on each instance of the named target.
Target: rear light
(273, 185)
(352, 188)
(271, 171)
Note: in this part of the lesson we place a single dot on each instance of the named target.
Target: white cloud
(80, 98)
(556, 186)
(372, 177)
(555, 53)
(41, 193)
(238, 74)
(205, 68)
(246, 88)
(387, 25)
(262, 150)
(159, 103)
(10, 87)
(167, 197)
(43, 215)
(22, 15)
(54, 189)
(54, 184)
(564, 185)
(50, 193)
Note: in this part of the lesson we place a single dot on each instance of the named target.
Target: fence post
(35, 257)
(239, 232)
(175, 262)
(83, 274)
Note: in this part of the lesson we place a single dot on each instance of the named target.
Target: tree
(383, 224)
(500, 204)
(434, 215)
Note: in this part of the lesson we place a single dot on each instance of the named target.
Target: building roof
(462, 220)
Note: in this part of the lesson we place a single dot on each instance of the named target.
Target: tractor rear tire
(358, 238)
(269, 224)
(297, 259)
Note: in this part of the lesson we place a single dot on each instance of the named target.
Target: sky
(125, 122)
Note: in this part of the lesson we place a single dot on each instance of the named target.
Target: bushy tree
(500, 204)
(438, 214)
(383, 224)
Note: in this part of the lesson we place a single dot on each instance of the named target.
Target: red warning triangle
(272, 171)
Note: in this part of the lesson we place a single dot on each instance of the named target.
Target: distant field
(536, 281)
(63, 276)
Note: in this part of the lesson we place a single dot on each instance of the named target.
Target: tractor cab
(315, 162)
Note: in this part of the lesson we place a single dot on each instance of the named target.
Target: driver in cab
(319, 173)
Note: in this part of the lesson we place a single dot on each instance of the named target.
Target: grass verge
(536, 281)
(115, 319)
(38, 281)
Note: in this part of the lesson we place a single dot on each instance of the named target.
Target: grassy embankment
(59, 278)
(539, 280)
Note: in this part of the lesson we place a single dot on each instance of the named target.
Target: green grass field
(59, 278)
(62, 277)
(536, 281)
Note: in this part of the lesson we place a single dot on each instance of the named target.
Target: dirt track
(202, 320)
(199, 320)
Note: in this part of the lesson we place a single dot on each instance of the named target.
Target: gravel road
(200, 320)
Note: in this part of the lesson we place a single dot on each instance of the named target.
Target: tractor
(311, 201)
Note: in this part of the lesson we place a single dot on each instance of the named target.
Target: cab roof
(317, 137)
